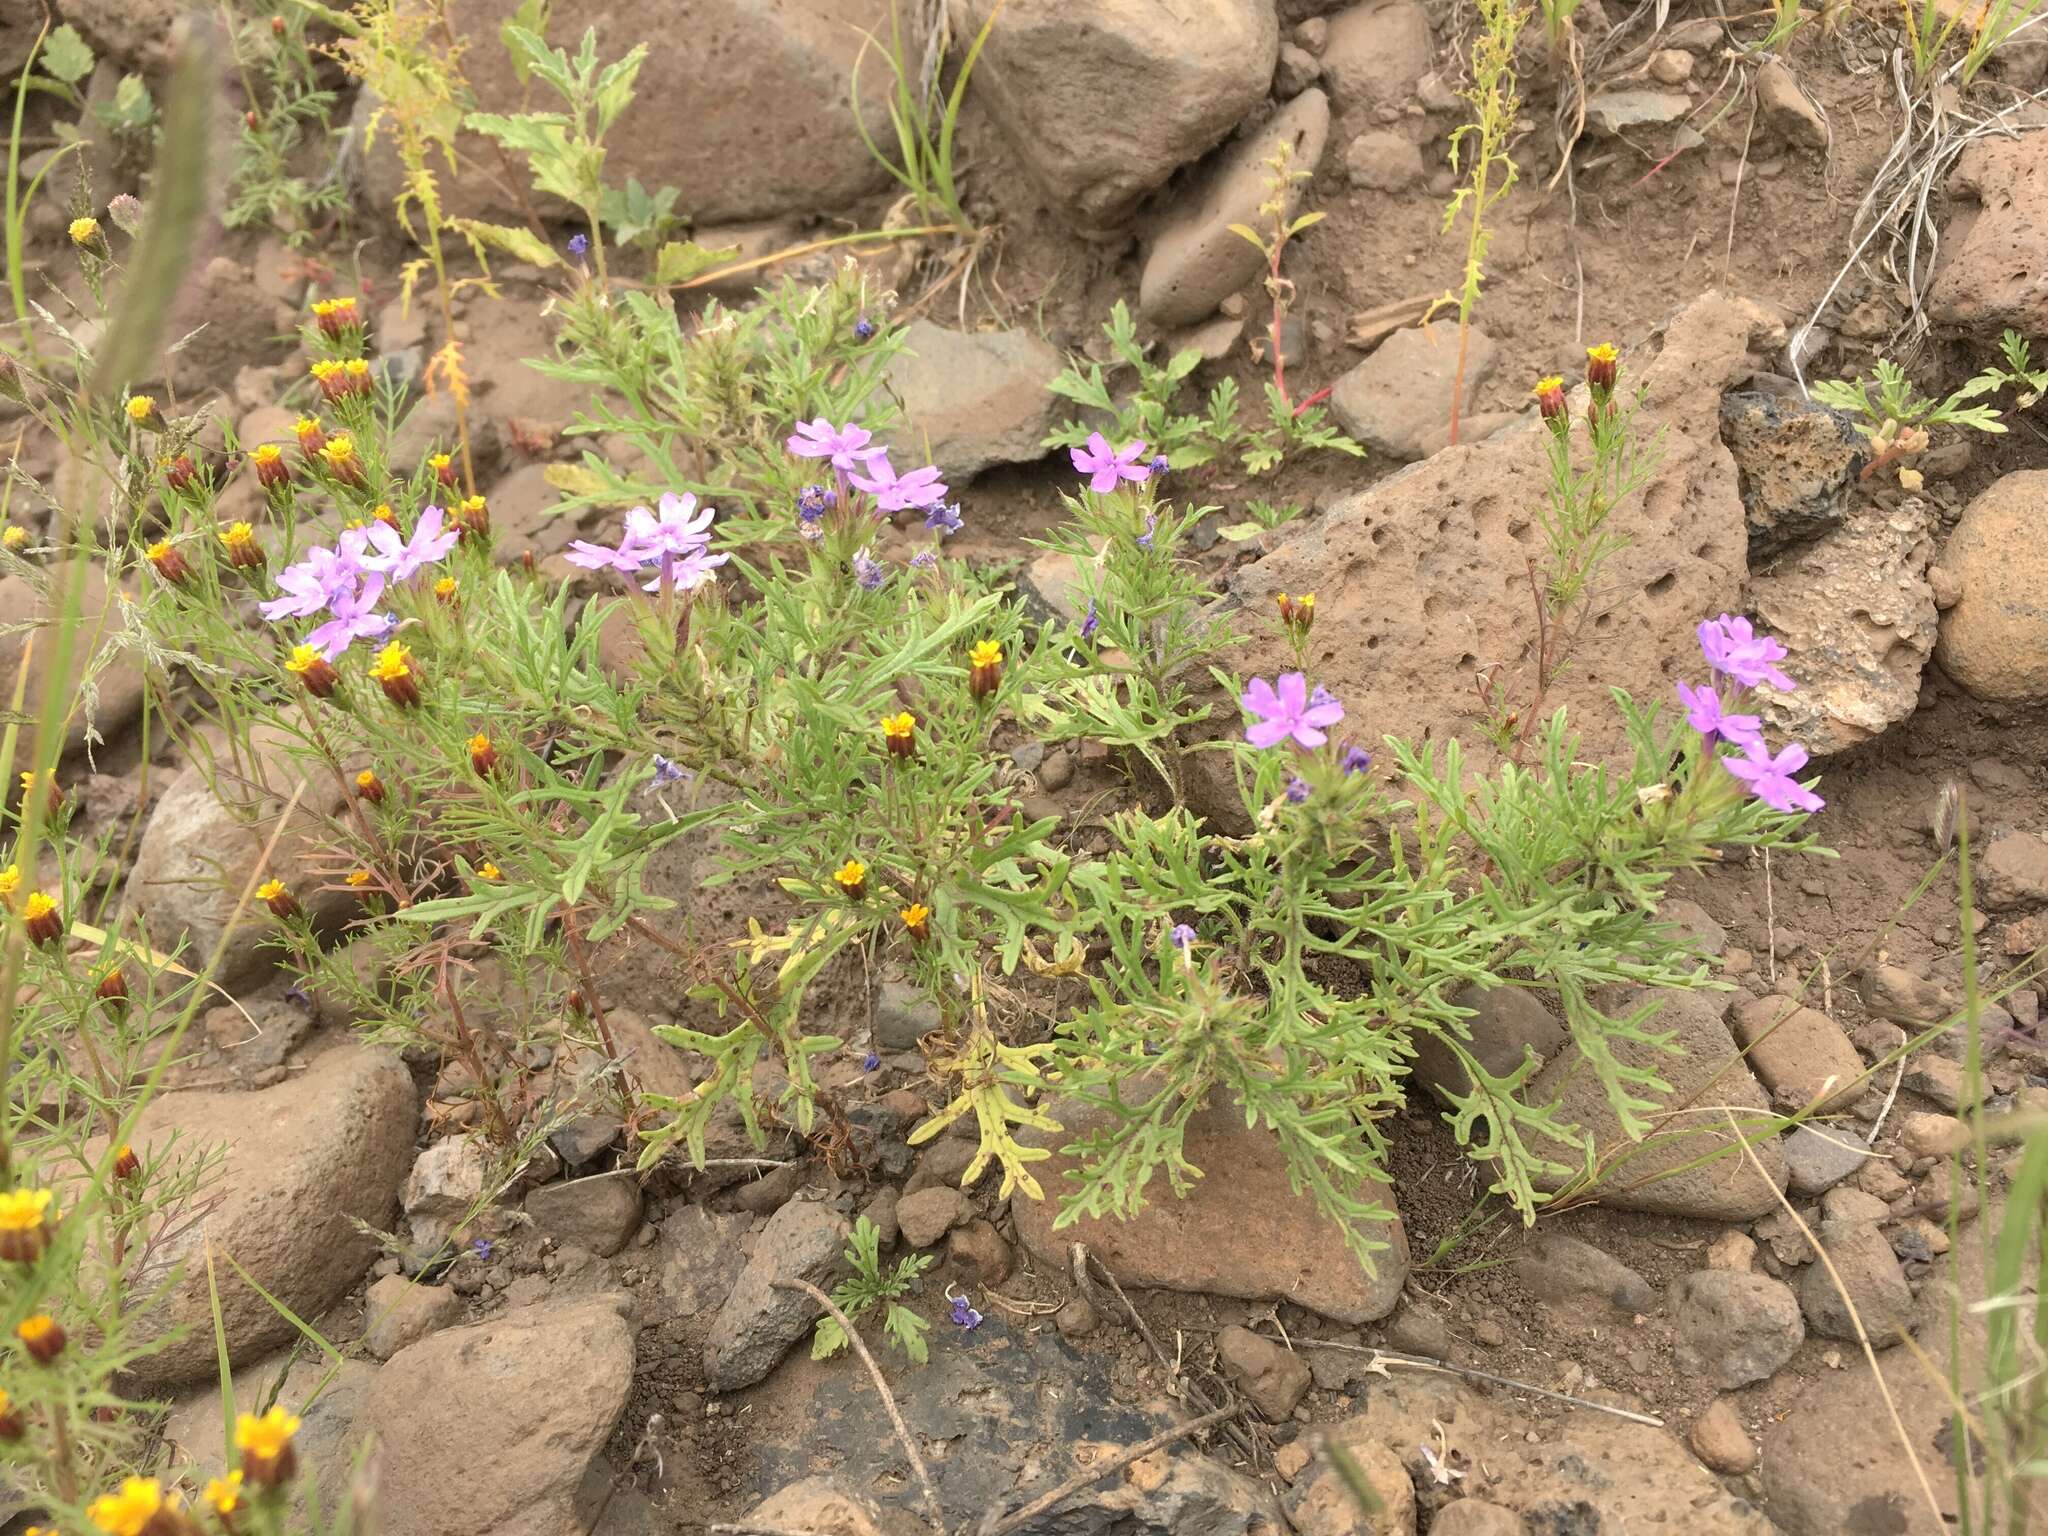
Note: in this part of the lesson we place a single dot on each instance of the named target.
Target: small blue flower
(667, 771)
(299, 997)
(944, 518)
(1159, 464)
(1151, 527)
(964, 1315)
(1091, 622)
(814, 501)
(871, 1061)
(869, 572)
(1181, 935)
(923, 560)
(1297, 790)
(579, 246)
(1355, 759)
(482, 1246)
(863, 328)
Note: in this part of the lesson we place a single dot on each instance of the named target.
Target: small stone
(398, 1312)
(1871, 1277)
(1486, 1331)
(1797, 462)
(1694, 924)
(1821, 1156)
(1505, 1021)
(1803, 1056)
(1313, 33)
(1919, 1240)
(1393, 400)
(1718, 1439)
(971, 399)
(882, 1212)
(1786, 108)
(904, 1015)
(929, 1214)
(1670, 66)
(1321, 1503)
(599, 1214)
(1733, 1329)
(758, 1323)
(1273, 1377)
(1417, 1330)
(1297, 70)
(1290, 1460)
(1784, 1238)
(582, 1139)
(1994, 640)
(1471, 1516)
(1878, 1177)
(446, 1185)
(1939, 1079)
(979, 1249)
(1848, 1203)
(2013, 872)
(1612, 113)
(1732, 1251)
(1383, 162)
(818, 1506)
(1375, 55)
(1077, 1319)
(1558, 1268)
(1931, 1135)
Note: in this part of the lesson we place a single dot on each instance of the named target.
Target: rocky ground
(610, 1352)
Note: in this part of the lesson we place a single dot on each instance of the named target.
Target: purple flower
(482, 1246)
(316, 581)
(1734, 649)
(1704, 714)
(353, 620)
(1106, 467)
(923, 560)
(667, 771)
(1091, 623)
(872, 1060)
(943, 518)
(398, 558)
(299, 997)
(899, 493)
(1181, 936)
(1297, 790)
(867, 571)
(863, 328)
(1355, 758)
(965, 1315)
(678, 529)
(1151, 527)
(579, 246)
(1160, 464)
(1770, 778)
(1285, 708)
(684, 573)
(814, 501)
(847, 446)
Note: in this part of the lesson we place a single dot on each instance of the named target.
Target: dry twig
(1076, 1483)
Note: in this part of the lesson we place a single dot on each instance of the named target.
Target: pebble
(600, 1214)
(1732, 1328)
(1670, 66)
(1939, 1079)
(929, 1214)
(1732, 1251)
(1272, 1376)
(1489, 1333)
(1869, 1274)
(1931, 1135)
(1718, 1439)
(1820, 1157)
(979, 1249)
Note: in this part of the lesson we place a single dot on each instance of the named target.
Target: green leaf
(681, 260)
(828, 1340)
(519, 244)
(615, 87)
(67, 56)
(530, 19)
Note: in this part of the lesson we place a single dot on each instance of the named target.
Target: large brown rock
(103, 685)
(971, 399)
(743, 106)
(299, 1165)
(1103, 100)
(324, 1396)
(1703, 1069)
(1994, 252)
(1798, 1052)
(1425, 576)
(491, 1430)
(1239, 1231)
(1994, 641)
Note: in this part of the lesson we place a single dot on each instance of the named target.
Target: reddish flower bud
(1550, 399)
(41, 919)
(113, 991)
(126, 1164)
(44, 1337)
(314, 670)
(169, 561)
(271, 470)
(474, 517)
(483, 755)
(243, 552)
(398, 674)
(1603, 367)
(1296, 613)
(369, 787)
(984, 668)
(282, 903)
(180, 472)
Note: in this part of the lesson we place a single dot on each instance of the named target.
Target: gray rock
(1383, 161)
(581, 1140)
(929, 1214)
(1692, 922)
(1940, 1079)
(1196, 261)
(1612, 113)
(2013, 872)
(904, 1015)
(1416, 1329)
(103, 683)
(1821, 1156)
(1733, 1328)
(971, 399)
(697, 1259)
(1647, 1177)
(296, 1167)
(1798, 461)
(490, 1430)
(758, 1323)
(1857, 617)
(326, 1444)
(600, 1214)
(1375, 54)
(1272, 1376)
(1563, 1269)
(446, 1187)
(1179, 80)
(1393, 400)
(398, 1312)
(1505, 1022)
(1871, 1277)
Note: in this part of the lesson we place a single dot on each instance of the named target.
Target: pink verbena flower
(1770, 778)
(899, 493)
(1704, 713)
(316, 581)
(679, 528)
(847, 446)
(399, 558)
(354, 619)
(1285, 708)
(1107, 467)
(684, 573)
(1734, 649)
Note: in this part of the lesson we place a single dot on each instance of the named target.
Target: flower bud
(13, 538)
(337, 317)
(1550, 402)
(113, 991)
(327, 373)
(398, 674)
(44, 1337)
(266, 1446)
(180, 473)
(1296, 613)
(899, 734)
(277, 26)
(313, 670)
(169, 562)
(474, 517)
(12, 1425)
(984, 668)
(239, 540)
(126, 1164)
(369, 787)
(282, 903)
(143, 413)
(26, 1224)
(338, 453)
(1603, 367)
(852, 878)
(267, 459)
(443, 467)
(483, 755)
(88, 238)
(311, 438)
(445, 589)
(53, 799)
(41, 919)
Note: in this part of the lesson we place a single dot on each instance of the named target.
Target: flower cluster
(1741, 660)
(675, 541)
(347, 582)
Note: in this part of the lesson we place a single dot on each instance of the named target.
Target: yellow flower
(358, 878)
(128, 1512)
(489, 871)
(225, 1493)
(986, 653)
(266, 454)
(43, 1337)
(917, 918)
(444, 589)
(270, 890)
(391, 663)
(25, 1210)
(39, 905)
(268, 1437)
(1604, 353)
(899, 733)
(326, 370)
(852, 877)
(239, 540)
(85, 232)
(10, 880)
(141, 408)
(358, 371)
(15, 538)
(303, 659)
